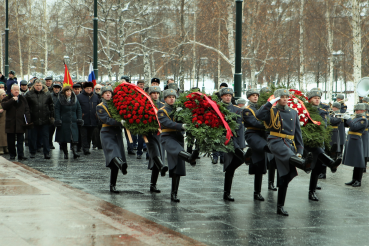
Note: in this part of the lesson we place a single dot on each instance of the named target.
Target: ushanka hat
(105, 89)
(360, 106)
(225, 90)
(314, 93)
(170, 92)
(281, 92)
(154, 89)
(251, 92)
(241, 101)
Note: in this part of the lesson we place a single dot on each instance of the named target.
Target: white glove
(122, 121)
(179, 109)
(184, 126)
(299, 155)
(346, 116)
(274, 100)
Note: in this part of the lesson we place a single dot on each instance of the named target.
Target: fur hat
(88, 84)
(265, 90)
(173, 86)
(170, 92)
(225, 90)
(251, 92)
(314, 93)
(336, 105)
(281, 92)
(360, 106)
(105, 89)
(340, 96)
(241, 101)
(154, 89)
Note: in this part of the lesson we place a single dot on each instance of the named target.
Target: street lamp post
(34, 60)
(238, 51)
(204, 62)
(96, 70)
(6, 37)
(337, 56)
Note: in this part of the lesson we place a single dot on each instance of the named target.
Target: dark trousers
(51, 134)
(271, 172)
(314, 176)
(141, 145)
(86, 136)
(39, 135)
(96, 141)
(229, 173)
(357, 175)
(218, 154)
(11, 144)
(130, 146)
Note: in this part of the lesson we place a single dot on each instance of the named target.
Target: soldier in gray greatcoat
(256, 140)
(154, 146)
(320, 158)
(343, 108)
(284, 141)
(354, 151)
(232, 160)
(365, 136)
(111, 139)
(322, 105)
(172, 140)
(335, 139)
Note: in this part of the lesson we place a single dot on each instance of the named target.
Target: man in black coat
(49, 83)
(12, 80)
(42, 114)
(17, 118)
(88, 100)
(54, 95)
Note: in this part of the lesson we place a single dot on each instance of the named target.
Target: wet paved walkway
(37, 210)
(341, 217)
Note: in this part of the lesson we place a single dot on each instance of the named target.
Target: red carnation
(145, 122)
(146, 116)
(137, 121)
(130, 121)
(140, 116)
(129, 116)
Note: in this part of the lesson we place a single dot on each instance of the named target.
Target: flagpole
(95, 38)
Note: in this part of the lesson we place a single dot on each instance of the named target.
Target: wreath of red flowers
(135, 108)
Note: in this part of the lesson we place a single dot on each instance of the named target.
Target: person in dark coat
(335, 138)
(96, 141)
(154, 146)
(365, 136)
(54, 95)
(111, 139)
(172, 140)
(353, 155)
(341, 99)
(49, 83)
(232, 160)
(320, 158)
(17, 119)
(68, 116)
(88, 100)
(11, 81)
(2, 81)
(42, 113)
(23, 87)
(256, 139)
(284, 142)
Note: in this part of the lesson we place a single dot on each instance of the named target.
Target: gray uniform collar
(255, 105)
(167, 105)
(280, 107)
(360, 115)
(227, 104)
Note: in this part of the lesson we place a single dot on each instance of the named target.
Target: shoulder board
(344, 104)
(162, 107)
(236, 106)
(248, 106)
(323, 109)
(325, 104)
(363, 116)
(100, 104)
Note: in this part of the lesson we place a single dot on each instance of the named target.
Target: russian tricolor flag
(91, 74)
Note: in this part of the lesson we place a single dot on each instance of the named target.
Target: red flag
(67, 79)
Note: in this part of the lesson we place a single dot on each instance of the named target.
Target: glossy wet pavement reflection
(340, 217)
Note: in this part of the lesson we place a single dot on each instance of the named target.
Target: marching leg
(113, 179)
(271, 175)
(359, 175)
(175, 183)
(154, 179)
(257, 187)
(228, 184)
(313, 184)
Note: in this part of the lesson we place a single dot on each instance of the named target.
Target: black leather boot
(303, 164)
(282, 191)
(271, 175)
(351, 182)
(329, 162)
(160, 166)
(74, 150)
(247, 156)
(227, 186)
(113, 180)
(312, 186)
(312, 196)
(257, 187)
(154, 179)
(65, 150)
(358, 174)
(175, 184)
(191, 158)
(121, 165)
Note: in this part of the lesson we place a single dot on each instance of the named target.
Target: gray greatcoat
(354, 151)
(335, 140)
(238, 141)
(341, 127)
(283, 148)
(110, 134)
(68, 113)
(365, 138)
(154, 146)
(172, 140)
(256, 139)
